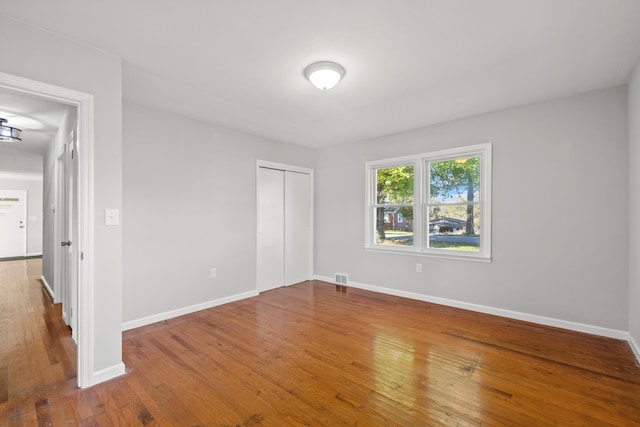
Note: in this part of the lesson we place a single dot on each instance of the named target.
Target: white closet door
(284, 228)
(270, 242)
(297, 228)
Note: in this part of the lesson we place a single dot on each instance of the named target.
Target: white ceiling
(409, 63)
(38, 119)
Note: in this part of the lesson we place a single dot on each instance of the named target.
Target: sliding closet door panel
(297, 228)
(270, 242)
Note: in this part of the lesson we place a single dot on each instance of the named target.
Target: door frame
(85, 239)
(289, 168)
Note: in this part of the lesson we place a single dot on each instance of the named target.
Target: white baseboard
(185, 310)
(634, 347)
(33, 254)
(108, 373)
(542, 320)
(47, 287)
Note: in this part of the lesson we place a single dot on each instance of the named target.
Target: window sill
(430, 254)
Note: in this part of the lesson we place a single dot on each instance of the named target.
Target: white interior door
(13, 223)
(67, 213)
(270, 241)
(72, 208)
(60, 233)
(297, 228)
(284, 228)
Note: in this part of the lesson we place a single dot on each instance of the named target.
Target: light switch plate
(111, 217)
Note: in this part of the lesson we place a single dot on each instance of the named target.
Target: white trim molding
(47, 287)
(282, 167)
(634, 347)
(132, 324)
(541, 320)
(108, 373)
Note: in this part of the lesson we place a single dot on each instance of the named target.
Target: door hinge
(81, 256)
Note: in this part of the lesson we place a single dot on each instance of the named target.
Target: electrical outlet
(418, 268)
(213, 273)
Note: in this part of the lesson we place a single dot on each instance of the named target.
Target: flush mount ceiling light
(324, 75)
(9, 134)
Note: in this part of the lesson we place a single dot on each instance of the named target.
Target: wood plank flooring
(311, 355)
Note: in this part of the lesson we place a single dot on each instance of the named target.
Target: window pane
(394, 185)
(394, 225)
(456, 180)
(454, 227)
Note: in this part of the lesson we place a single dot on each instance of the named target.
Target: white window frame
(421, 198)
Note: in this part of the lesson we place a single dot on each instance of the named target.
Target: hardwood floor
(313, 355)
(37, 354)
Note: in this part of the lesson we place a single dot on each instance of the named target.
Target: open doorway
(78, 202)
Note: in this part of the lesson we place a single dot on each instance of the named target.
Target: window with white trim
(434, 204)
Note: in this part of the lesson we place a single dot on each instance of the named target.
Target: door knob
(67, 243)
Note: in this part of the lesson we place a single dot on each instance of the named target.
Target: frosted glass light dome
(8, 133)
(324, 75)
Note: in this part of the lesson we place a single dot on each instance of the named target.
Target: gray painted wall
(23, 171)
(190, 205)
(560, 212)
(16, 164)
(42, 56)
(634, 202)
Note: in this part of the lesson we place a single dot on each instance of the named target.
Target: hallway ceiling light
(9, 134)
(324, 75)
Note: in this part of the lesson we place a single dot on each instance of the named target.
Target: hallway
(36, 349)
